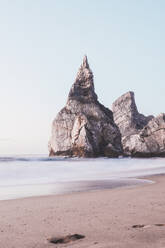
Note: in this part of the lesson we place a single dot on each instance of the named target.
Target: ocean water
(40, 175)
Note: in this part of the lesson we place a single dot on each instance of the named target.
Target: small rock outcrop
(141, 136)
(84, 127)
(126, 115)
(150, 142)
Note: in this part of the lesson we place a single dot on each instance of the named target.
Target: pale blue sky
(41, 47)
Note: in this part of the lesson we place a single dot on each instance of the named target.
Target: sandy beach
(105, 217)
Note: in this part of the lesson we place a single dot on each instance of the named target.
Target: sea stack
(84, 127)
(149, 142)
(142, 136)
(126, 115)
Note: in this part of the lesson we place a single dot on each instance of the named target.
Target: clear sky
(42, 44)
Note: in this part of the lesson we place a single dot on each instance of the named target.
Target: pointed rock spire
(83, 88)
(85, 62)
(84, 127)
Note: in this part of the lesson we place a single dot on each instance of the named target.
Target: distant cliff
(85, 128)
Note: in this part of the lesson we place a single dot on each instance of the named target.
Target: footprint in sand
(66, 239)
(146, 226)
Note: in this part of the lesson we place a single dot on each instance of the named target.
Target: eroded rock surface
(84, 127)
(126, 115)
(141, 136)
(150, 142)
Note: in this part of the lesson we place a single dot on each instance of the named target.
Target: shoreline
(65, 188)
(105, 217)
(62, 177)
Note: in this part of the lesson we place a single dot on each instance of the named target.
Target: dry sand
(105, 217)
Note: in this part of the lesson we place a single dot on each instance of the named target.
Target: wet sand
(105, 217)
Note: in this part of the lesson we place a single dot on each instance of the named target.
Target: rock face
(141, 136)
(150, 142)
(84, 127)
(126, 115)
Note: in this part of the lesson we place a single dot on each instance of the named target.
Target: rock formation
(84, 127)
(141, 136)
(126, 115)
(150, 142)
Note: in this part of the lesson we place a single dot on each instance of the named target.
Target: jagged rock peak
(126, 115)
(85, 62)
(84, 127)
(127, 102)
(83, 88)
